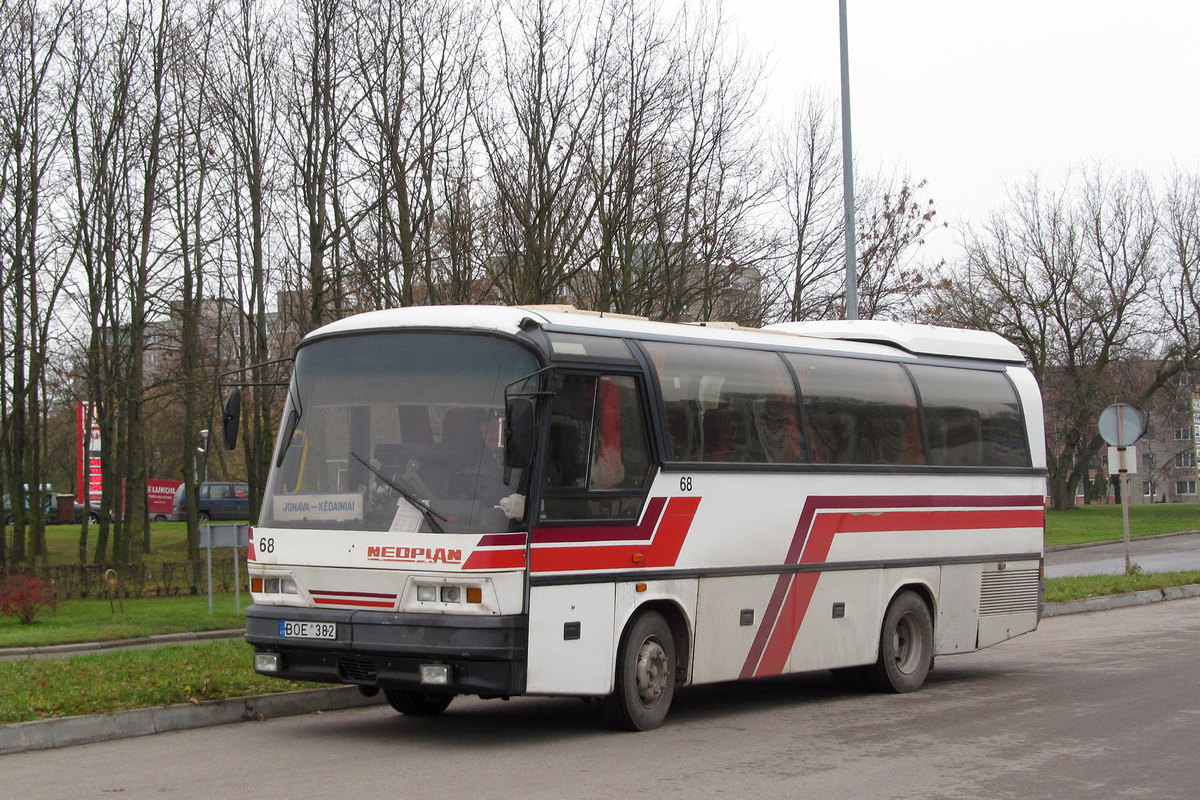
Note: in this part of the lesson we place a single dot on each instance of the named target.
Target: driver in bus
(488, 480)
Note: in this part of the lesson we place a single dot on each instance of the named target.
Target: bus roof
(873, 337)
(919, 339)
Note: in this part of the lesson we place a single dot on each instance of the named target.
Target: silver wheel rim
(653, 672)
(907, 643)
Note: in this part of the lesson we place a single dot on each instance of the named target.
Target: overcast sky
(974, 96)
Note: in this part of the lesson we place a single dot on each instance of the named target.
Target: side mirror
(519, 428)
(231, 418)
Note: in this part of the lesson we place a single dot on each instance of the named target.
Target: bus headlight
(448, 595)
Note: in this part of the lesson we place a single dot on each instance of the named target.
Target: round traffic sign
(1121, 425)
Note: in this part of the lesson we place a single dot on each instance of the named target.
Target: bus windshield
(398, 431)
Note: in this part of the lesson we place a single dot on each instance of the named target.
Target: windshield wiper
(426, 510)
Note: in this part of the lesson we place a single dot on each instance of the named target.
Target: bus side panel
(956, 627)
(571, 639)
(841, 625)
(729, 612)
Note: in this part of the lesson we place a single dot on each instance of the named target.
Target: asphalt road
(1091, 705)
(1158, 554)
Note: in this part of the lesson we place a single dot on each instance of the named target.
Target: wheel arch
(920, 589)
(681, 632)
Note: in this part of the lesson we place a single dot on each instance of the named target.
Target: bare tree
(891, 226)
(708, 186)
(807, 158)
(250, 99)
(31, 129)
(537, 135)
(413, 64)
(321, 107)
(1075, 278)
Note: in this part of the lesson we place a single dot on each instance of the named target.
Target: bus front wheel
(417, 703)
(905, 646)
(645, 679)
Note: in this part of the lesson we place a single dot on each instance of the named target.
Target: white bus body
(695, 504)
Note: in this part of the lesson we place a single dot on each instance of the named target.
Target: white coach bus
(508, 501)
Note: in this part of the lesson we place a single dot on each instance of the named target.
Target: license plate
(308, 630)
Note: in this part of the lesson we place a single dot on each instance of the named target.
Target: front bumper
(487, 655)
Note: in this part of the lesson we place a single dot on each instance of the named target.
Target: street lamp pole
(848, 170)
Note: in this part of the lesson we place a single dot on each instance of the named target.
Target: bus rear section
(503, 501)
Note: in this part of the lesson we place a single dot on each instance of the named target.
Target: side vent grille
(1009, 592)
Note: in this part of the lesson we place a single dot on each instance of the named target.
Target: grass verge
(116, 680)
(94, 621)
(1103, 523)
(1059, 590)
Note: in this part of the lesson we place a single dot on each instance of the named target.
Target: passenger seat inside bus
(834, 437)
(724, 435)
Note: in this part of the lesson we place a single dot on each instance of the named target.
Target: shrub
(22, 596)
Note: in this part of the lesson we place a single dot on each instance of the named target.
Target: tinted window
(597, 460)
(727, 405)
(974, 418)
(858, 411)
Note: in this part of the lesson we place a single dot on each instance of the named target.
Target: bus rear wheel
(417, 703)
(905, 646)
(645, 680)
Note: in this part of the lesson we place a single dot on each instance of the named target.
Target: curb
(1108, 602)
(46, 734)
(55, 650)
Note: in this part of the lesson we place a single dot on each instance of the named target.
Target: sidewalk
(68, 731)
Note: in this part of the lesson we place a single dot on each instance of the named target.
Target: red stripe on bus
(819, 522)
(352, 594)
(338, 601)
(642, 532)
(798, 593)
(496, 559)
(514, 557)
(942, 520)
(662, 551)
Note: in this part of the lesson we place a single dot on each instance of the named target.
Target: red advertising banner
(88, 452)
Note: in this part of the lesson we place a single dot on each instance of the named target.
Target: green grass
(168, 542)
(1061, 589)
(92, 620)
(112, 681)
(1103, 523)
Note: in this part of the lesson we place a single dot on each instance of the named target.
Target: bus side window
(597, 456)
(974, 418)
(724, 405)
(859, 411)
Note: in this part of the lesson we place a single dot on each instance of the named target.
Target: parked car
(51, 509)
(219, 500)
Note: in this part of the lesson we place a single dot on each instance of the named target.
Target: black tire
(645, 677)
(905, 646)
(203, 516)
(416, 703)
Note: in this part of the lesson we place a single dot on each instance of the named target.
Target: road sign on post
(1196, 435)
(1121, 426)
(228, 534)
